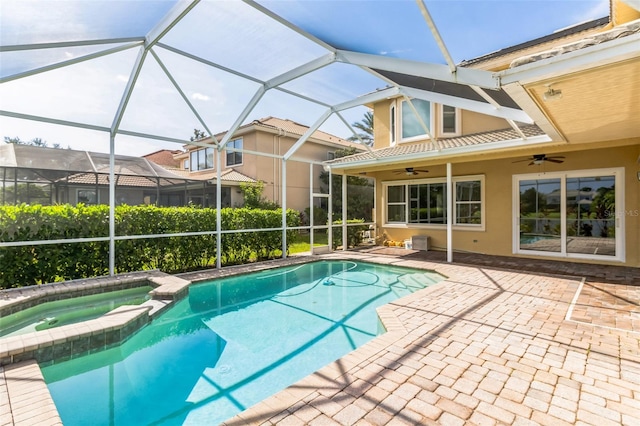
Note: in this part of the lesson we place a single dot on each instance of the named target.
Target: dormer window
(412, 127)
(449, 121)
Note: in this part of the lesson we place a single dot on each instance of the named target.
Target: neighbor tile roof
(228, 175)
(443, 144)
(293, 128)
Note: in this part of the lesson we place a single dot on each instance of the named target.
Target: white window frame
(618, 172)
(400, 123)
(232, 142)
(441, 130)
(456, 226)
(393, 124)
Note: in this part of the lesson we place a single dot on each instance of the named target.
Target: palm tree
(366, 129)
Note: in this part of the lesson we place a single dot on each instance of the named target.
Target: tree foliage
(360, 191)
(197, 135)
(253, 199)
(366, 129)
(33, 142)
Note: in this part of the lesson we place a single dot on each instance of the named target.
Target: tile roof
(598, 38)
(442, 144)
(558, 35)
(293, 128)
(164, 157)
(228, 175)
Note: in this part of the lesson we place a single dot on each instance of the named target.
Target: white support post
(283, 182)
(112, 204)
(330, 212)
(345, 240)
(218, 213)
(449, 214)
(311, 209)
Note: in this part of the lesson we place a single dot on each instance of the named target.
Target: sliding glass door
(540, 215)
(571, 214)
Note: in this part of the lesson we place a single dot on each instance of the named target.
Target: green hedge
(28, 265)
(354, 233)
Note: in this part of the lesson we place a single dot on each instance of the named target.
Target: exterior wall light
(552, 94)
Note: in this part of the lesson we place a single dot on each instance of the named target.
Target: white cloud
(199, 97)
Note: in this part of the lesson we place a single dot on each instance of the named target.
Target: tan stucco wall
(623, 13)
(472, 122)
(269, 170)
(497, 237)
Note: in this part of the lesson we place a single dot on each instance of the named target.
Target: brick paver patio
(513, 344)
(487, 346)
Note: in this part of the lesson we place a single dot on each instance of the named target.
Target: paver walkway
(487, 346)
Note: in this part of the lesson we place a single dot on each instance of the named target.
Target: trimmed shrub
(28, 265)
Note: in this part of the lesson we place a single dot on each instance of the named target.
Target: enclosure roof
(84, 166)
(154, 70)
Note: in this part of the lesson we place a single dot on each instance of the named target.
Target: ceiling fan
(541, 158)
(410, 171)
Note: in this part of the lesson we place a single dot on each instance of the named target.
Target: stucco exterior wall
(497, 237)
(471, 122)
(269, 170)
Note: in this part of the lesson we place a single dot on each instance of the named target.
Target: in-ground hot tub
(70, 310)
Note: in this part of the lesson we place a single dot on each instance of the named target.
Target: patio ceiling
(247, 58)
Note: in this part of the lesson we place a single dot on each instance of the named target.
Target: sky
(241, 39)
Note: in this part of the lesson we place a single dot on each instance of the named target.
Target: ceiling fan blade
(531, 163)
(553, 160)
(422, 171)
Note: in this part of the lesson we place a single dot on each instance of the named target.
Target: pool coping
(93, 335)
(18, 353)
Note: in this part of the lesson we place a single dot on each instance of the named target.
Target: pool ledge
(93, 335)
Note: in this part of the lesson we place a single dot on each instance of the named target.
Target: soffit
(601, 104)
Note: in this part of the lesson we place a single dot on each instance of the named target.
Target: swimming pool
(230, 344)
(70, 310)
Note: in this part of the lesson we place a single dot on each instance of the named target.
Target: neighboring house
(241, 161)
(566, 187)
(37, 175)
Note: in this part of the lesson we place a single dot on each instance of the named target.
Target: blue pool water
(230, 344)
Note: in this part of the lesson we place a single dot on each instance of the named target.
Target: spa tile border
(109, 330)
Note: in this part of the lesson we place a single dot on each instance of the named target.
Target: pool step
(418, 280)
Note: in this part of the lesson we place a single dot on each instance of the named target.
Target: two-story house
(253, 154)
(565, 185)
